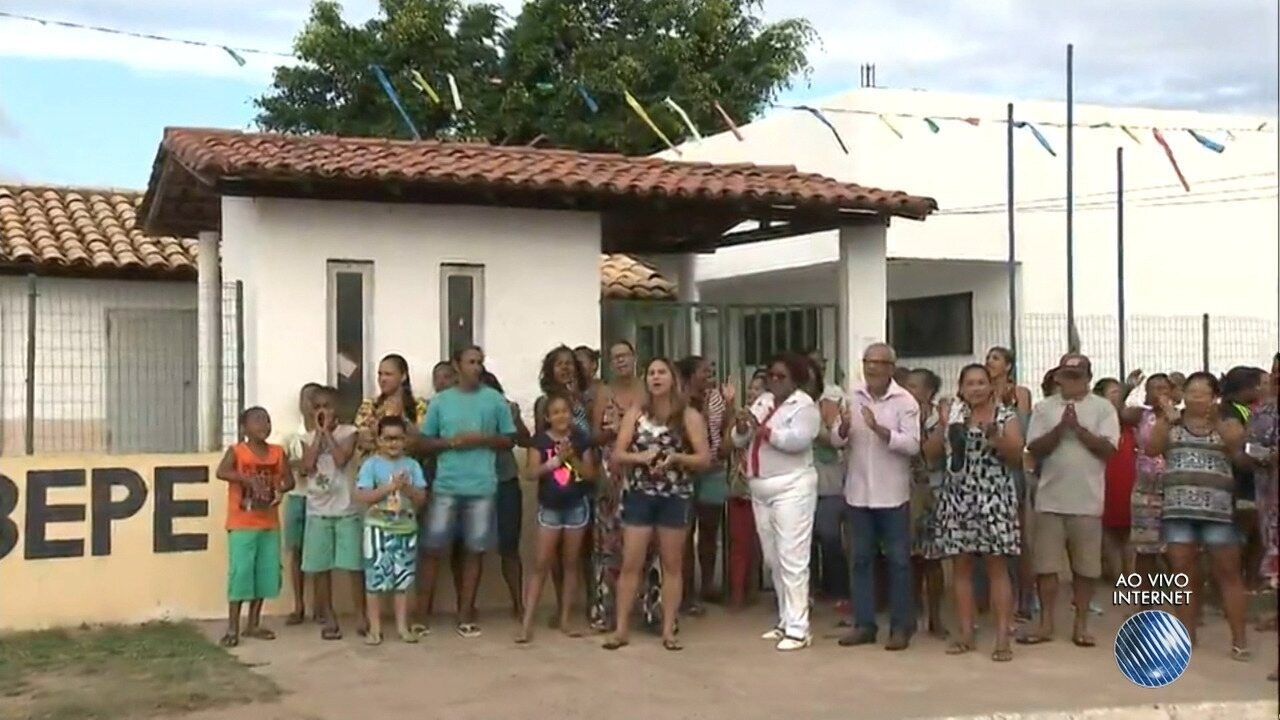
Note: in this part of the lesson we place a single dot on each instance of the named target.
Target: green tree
(522, 78)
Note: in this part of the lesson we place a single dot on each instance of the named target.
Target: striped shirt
(1198, 482)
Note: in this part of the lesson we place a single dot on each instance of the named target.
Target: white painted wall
(71, 353)
(1230, 213)
(541, 285)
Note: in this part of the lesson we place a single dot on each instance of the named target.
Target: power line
(229, 49)
(1002, 205)
(1102, 205)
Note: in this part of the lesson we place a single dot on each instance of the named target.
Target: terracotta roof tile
(87, 230)
(214, 155)
(622, 277)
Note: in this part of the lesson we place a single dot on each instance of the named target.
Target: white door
(151, 381)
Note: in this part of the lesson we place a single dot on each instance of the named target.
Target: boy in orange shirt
(257, 476)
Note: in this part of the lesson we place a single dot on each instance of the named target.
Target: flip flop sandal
(420, 630)
(1240, 654)
(672, 645)
(614, 644)
(1033, 640)
(260, 633)
(229, 641)
(373, 638)
(1002, 655)
(331, 633)
(469, 630)
(408, 637)
(295, 619)
(960, 647)
(1084, 641)
(523, 638)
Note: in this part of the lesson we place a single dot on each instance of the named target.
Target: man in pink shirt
(881, 428)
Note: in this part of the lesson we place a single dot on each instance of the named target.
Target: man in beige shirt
(1071, 435)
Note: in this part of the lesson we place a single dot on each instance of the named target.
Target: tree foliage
(523, 78)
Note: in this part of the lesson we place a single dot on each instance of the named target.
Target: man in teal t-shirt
(466, 426)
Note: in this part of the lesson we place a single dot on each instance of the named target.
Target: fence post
(1204, 342)
(29, 430)
(239, 348)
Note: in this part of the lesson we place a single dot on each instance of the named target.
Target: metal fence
(92, 365)
(1152, 344)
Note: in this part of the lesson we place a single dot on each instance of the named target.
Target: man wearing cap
(1071, 435)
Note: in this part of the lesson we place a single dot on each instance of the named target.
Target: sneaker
(787, 644)
(898, 641)
(773, 635)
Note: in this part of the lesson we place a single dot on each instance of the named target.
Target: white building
(349, 248)
(1211, 250)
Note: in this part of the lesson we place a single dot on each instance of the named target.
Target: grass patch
(120, 672)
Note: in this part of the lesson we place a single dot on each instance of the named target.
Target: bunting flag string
(684, 116)
(1265, 127)
(1131, 134)
(733, 127)
(390, 90)
(424, 86)
(887, 124)
(1168, 152)
(453, 90)
(235, 56)
(1207, 142)
(823, 119)
(639, 110)
(1040, 138)
(591, 103)
(933, 126)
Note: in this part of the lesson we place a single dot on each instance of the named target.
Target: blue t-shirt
(393, 513)
(469, 472)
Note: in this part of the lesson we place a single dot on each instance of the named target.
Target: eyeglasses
(391, 438)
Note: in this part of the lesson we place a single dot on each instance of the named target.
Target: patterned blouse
(1198, 482)
(714, 411)
(367, 423)
(672, 482)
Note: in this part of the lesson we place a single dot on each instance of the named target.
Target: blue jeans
(874, 530)
(450, 517)
(828, 522)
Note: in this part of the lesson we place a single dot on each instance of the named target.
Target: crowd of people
(837, 493)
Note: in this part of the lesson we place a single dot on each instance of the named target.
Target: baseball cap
(1075, 362)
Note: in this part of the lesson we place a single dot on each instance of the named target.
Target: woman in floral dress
(1148, 496)
(977, 504)
(610, 405)
(1264, 441)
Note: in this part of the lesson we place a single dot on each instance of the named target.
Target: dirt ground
(724, 672)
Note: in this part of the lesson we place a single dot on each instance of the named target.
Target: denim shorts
(1199, 532)
(573, 517)
(664, 511)
(450, 517)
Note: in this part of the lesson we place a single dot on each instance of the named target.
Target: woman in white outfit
(777, 434)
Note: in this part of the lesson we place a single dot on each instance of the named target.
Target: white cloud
(1181, 53)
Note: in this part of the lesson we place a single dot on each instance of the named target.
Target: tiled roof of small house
(82, 230)
(87, 231)
(215, 161)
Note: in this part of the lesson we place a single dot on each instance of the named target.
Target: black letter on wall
(8, 528)
(40, 514)
(167, 509)
(105, 511)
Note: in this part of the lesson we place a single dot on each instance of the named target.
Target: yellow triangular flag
(422, 84)
(635, 105)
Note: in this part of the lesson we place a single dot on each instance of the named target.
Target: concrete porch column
(682, 269)
(862, 288)
(209, 340)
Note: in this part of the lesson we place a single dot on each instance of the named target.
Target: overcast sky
(1217, 55)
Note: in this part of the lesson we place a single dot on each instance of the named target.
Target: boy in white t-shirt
(331, 538)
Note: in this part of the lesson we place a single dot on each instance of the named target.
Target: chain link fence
(106, 366)
(1152, 344)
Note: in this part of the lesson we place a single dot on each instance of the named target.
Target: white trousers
(784, 507)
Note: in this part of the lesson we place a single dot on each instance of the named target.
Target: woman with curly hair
(562, 374)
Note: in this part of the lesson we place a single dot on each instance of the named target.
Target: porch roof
(648, 204)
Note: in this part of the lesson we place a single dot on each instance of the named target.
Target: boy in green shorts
(331, 540)
(295, 509)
